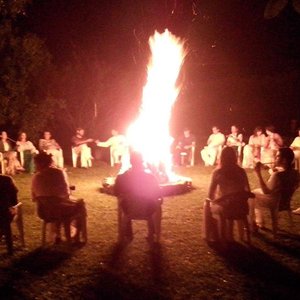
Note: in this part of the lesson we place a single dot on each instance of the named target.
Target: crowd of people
(229, 153)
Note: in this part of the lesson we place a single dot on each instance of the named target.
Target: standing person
(49, 181)
(211, 153)
(27, 152)
(139, 195)
(50, 146)
(186, 144)
(235, 140)
(229, 179)
(13, 164)
(8, 199)
(252, 151)
(277, 192)
(273, 142)
(118, 147)
(80, 148)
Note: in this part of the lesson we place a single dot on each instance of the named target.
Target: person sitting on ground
(235, 140)
(8, 199)
(79, 144)
(252, 151)
(211, 153)
(27, 152)
(13, 164)
(273, 142)
(50, 181)
(185, 146)
(277, 192)
(229, 179)
(50, 146)
(139, 196)
(118, 146)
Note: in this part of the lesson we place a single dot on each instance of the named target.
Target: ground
(182, 267)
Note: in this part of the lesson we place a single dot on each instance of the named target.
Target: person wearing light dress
(252, 151)
(273, 142)
(50, 146)
(211, 153)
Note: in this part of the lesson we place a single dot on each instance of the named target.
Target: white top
(296, 143)
(235, 139)
(26, 146)
(116, 142)
(257, 140)
(216, 140)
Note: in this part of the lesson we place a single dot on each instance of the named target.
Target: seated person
(295, 146)
(8, 199)
(186, 144)
(252, 151)
(50, 146)
(277, 192)
(80, 147)
(13, 164)
(139, 196)
(211, 153)
(273, 142)
(27, 152)
(235, 140)
(49, 181)
(118, 146)
(228, 180)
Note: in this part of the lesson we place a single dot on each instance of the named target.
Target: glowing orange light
(149, 133)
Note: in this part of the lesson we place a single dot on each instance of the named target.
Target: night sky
(241, 68)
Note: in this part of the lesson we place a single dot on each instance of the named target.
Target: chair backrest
(289, 183)
(138, 208)
(49, 208)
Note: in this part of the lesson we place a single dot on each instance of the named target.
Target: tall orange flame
(149, 133)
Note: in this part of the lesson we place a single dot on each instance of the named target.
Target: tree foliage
(25, 65)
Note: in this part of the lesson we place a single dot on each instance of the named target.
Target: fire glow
(149, 134)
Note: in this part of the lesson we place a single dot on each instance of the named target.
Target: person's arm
(263, 185)
(213, 187)
(42, 145)
(106, 144)
(278, 140)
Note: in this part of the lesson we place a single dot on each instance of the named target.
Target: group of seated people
(262, 147)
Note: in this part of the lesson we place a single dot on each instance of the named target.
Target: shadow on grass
(111, 283)
(43, 260)
(266, 277)
(37, 263)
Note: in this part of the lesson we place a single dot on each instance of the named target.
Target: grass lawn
(183, 267)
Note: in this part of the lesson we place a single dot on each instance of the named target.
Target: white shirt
(216, 140)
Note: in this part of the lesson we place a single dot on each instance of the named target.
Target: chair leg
(19, 223)
(67, 228)
(274, 217)
(44, 229)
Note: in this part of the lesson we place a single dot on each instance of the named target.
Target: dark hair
(257, 128)
(271, 128)
(136, 159)
(228, 157)
(43, 160)
(287, 154)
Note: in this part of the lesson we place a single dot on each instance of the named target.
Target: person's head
(136, 160)
(186, 132)
(43, 161)
(258, 131)
(270, 130)
(285, 157)
(234, 129)
(22, 137)
(228, 157)
(3, 135)
(47, 135)
(80, 131)
(114, 132)
(215, 129)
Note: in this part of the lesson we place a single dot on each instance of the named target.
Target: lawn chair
(138, 209)
(6, 228)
